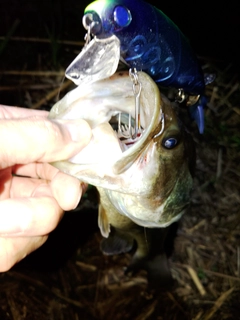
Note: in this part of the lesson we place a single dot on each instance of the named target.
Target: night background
(212, 29)
(69, 277)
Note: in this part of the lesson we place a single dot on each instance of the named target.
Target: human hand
(34, 194)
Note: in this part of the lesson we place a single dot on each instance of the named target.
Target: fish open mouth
(122, 119)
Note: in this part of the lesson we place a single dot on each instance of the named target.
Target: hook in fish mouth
(124, 126)
(129, 128)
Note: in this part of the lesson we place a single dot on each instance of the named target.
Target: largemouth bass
(144, 183)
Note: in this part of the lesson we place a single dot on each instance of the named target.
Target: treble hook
(137, 88)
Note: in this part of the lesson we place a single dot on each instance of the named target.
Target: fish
(145, 183)
(149, 41)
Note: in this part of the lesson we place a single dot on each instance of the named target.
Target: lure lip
(98, 60)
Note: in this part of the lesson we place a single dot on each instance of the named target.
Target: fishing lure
(145, 39)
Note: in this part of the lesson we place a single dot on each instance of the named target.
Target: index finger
(9, 112)
(37, 139)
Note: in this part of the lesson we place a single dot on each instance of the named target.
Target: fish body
(144, 184)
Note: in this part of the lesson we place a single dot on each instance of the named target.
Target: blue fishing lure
(151, 42)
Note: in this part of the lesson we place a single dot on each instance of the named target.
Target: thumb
(37, 139)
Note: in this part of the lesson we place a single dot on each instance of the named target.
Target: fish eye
(170, 143)
(122, 16)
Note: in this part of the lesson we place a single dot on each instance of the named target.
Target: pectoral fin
(103, 223)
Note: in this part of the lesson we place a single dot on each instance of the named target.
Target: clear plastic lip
(98, 60)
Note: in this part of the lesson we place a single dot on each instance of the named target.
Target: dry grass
(69, 278)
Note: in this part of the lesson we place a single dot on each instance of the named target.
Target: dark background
(212, 27)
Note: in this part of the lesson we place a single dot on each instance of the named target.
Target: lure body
(149, 41)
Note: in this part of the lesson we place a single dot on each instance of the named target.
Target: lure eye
(170, 143)
(122, 16)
